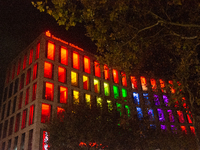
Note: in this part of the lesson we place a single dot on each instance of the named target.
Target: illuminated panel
(86, 64)
(99, 102)
(49, 89)
(134, 83)
(45, 139)
(13, 71)
(119, 107)
(128, 111)
(146, 99)
(63, 94)
(30, 57)
(106, 89)
(50, 50)
(27, 96)
(116, 92)
(48, 70)
(153, 84)
(162, 85)
(163, 127)
(37, 51)
(75, 97)
(28, 76)
(60, 113)
(24, 62)
(85, 83)
(88, 99)
(139, 113)
(156, 100)
(184, 102)
(19, 67)
(173, 128)
(34, 91)
(189, 117)
(106, 72)
(31, 115)
(35, 71)
(110, 106)
(63, 56)
(61, 74)
(46, 113)
(20, 100)
(184, 130)
(124, 80)
(136, 98)
(171, 87)
(171, 117)
(96, 86)
(143, 83)
(23, 125)
(124, 93)
(192, 129)
(97, 71)
(165, 99)
(74, 78)
(161, 115)
(180, 116)
(150, 114)
(17, 121)
(76, 61)
(115, 76)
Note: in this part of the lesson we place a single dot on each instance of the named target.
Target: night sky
(21, 23)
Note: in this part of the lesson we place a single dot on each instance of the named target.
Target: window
(106, 72)
(22, 141)
(171, 86)
(74, 78)
(124, 81)
(3, 112)
(20, 100)
(163, 127)
(45, 140)
(139, 113)
(63, 94)
(8, 108)
(28, 76)
(88, 99)
(192, 129)
(171, 116)
(76, 61)
(49, 90)
(21, 86)
(8, 76)
(86, 64)
(50, 53)
(27, 96)
(143, 83)
(180, 116)
(13, 71)
(124, 93)
(30, 57)
(165, 99)
(14, 104)
(46, 113)
(128, 111)
(115, 76)
(110, 105)
(11, 126)
(161, 115)
(136, 98)
(61, 74)
(30, 139)
(184, 130)
(17, 122)
(156, 100)
(153, 84)
(35, 68)
(99, 102)
(75, 97)
(162, 85)
(97, 71)
(19, 67)
(5, 94)
(16, 85)
(37, 51)
(150, 114)
(23, 125)
(5, 128)
(189, 117)
(106, 89)
(10, 90)
(31, 115)
(15, 143)
(60, 113)
(34, 91)
(96, 86)
(85, 83)
(48, 70)
(24, 62)
(134, 83)
(116, 92)
(63, 56)
(9, 145)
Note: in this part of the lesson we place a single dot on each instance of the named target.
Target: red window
(60, 112)
(31, 115)
(27, 96)
(97, 71)
(192, 129)
(8, 76)
(24, 62)
(61, 74)
(34, 91)
(45, 140)
(189, 117)
(183, 128)
(24, 119)
(85, 83)
(13, 72)
(17, 122)
(106, 72)
(35, 67)
(86, 64)
(134, 83)
(30, 57)
(162, 85)
(76, 61)
(20, 100)
(48, 70)
(143, 83)
(28, 76)
(49, 89)
(21, 86)
(19, 67)
(37, 51)
(180, 116)
(64, 56)
(115, 76)
(46, 113)
(50, 50)
(124, 81)
(63, 94)
(153, 84)
(171, 87)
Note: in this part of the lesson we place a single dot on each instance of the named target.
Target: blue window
(136, 98)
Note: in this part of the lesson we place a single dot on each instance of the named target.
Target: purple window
(163, 127)
(165, 100)
(161, 115)
(171, 117)
(173, 128)
(146, 98)
(156, 100)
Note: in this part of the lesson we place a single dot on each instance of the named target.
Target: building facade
(51, 72)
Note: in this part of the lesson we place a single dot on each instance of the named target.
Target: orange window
(171, 86)
(183, 128)
(180, 116)
(85, 83)
(28, 76)
(30, 57)
(74, 78)
(63, 56)
(124, 81)
(153, 84)
(49, 89)
(37, 51)
(46, 113)
(115, 76)
(13, 72)
(162, 85)
(27, 96)
(31, 115)
(63, 94)
(35, 67)
(134, 83)
(143, 83)
(48, 70)
(60, 113)
(86, 64)
(76, 61)
(96, 86)
(34, 91)
(106, 72)
(50, 50)
(24, 62)
(19, 67)
(23, 125)
(61, 74)
(97, 71)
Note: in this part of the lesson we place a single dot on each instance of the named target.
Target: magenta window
(165, 99)
(180, 116)
(46, 113)
(24, 119)
(171, 117)
(173, 128)
(27, 96)
(115, 76)
(163, 127)
(161, 115)
(156, 100)
(31, 115)
(97, 71)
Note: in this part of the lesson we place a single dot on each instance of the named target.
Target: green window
(127, 110)
(116, 92)
(106, 89)
(124, 92)
(119, 106)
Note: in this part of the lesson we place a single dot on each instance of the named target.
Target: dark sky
(21, 23)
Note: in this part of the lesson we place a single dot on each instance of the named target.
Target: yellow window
(75, 97)
(74, 78)
(85, 83)
(99, 102)
(96, 86)
(88, 99)
(110, 107)
(106, 89)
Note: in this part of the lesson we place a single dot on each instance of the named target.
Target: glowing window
(119, 107)
(96, 86)
(161, 115)
(75, 97)
(45, 145)
(136, 98)
(143, 83)
(34, 91)
(106, 89)
(27, 96)
(163, 127)
(184, 130)
(134, 83)
(35, 68)
(28, 76)
(21, 86)
(165, 99)
(19, 67)
(63, 56)
(153, 84)
(97, 71)
(192, 129)
(189, 117)
(146, 98)
(124, 81)
(156, 100)
(63, 94)
(17, 121)
(173, 128)
(124, 93)
(162, 85)
(115, 76)
(110, 106)
(76, 61)
(99, 102)
(171, 116)
(13, 72)
(85, 83)
(50, 50)
(37, 51)
(49, 89)
(86, 64)
(150, 114)
(60, 113)
(31, 115)
(88, 99)
(128, 111)
(106, 72)
(116, 92)
(30, 57)
(24, 62)
(180, 116)
(171, 87)
(46, 113)
(23, 125)
(48, 70)
(139, 113)
(61, 74)
(20, 100)
(74, 78)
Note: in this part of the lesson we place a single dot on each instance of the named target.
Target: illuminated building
(52, 72)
